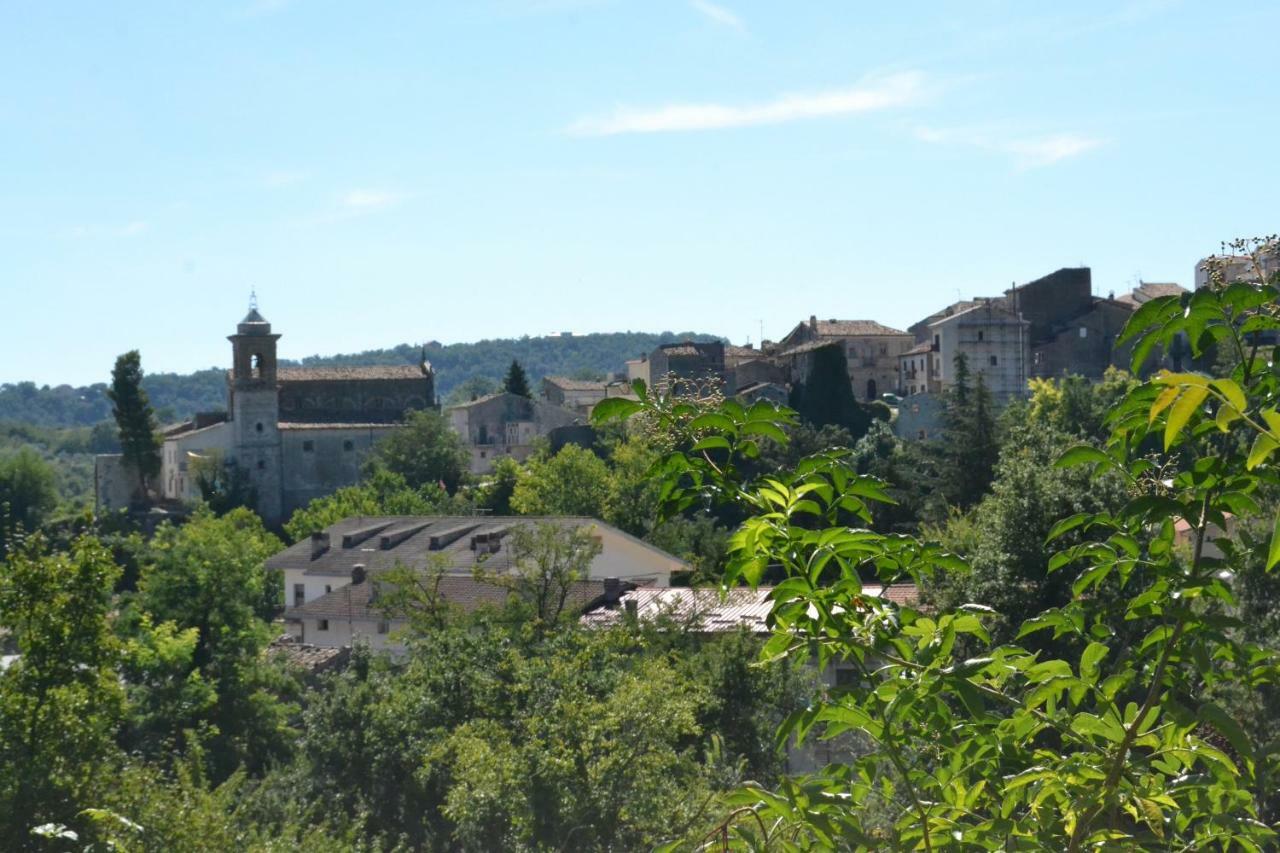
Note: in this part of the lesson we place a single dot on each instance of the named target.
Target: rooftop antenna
(253, 300)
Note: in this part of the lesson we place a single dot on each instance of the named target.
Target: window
(308, 446)
(922, 435)
(348, 445)
(979, 334)
(300, 594)
(482, 454)
(1084, 333)
(255, 365)
(993, 361)
(322, 624)
(383, 627)
(937, 341)
(262, 464)
(258, 426)
(327, 589)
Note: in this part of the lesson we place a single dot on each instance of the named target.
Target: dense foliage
(1122, 725)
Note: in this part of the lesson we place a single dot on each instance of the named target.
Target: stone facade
(505, 424)
(295, 434)
(995, 343)
(871, 351)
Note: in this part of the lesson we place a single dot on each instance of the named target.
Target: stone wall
(354, 400)
(319, 461)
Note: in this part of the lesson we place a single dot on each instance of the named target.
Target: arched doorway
(871, 389)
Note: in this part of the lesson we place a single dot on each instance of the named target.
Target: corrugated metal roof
(706, 609)
(460, 542)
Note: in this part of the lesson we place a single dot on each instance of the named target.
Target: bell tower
(255, 410)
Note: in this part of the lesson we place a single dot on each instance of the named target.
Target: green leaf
(1182, 411)
(614, 408)
(1273, 553)
(1261, 450)
(765, 428)
(1082, 454)
(1232, 393)
(1093, 655)
(711, 420)
(1069, 523)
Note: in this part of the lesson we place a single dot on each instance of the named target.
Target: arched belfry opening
(253, 347)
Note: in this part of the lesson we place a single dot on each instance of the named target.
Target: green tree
(547, 560)
(632, 501)
(28, 493)
(426, 451)
(516, 382)
(222, 486)
(494, 494)
(381, 492)
(826, 396)
(573, 482)
(60, 698)
(972, 446)
(208, 575)
(139, 435)
(1116, 744)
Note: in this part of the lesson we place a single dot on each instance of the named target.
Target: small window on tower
(322, 624)
(979, 334)
(262, 464)
(993, 361)
(348, 445)
(255, 365)
(308, 446)
(258, 426)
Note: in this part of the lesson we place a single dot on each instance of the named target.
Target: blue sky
(389, 172)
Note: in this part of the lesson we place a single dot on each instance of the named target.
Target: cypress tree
(516, 382)
(139, 438)
(826, 395)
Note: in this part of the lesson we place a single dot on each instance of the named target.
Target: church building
(292, 433)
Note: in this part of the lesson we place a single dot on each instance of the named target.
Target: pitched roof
(855, 328)
(418, 541)
(1148, 290)
(918, 349)
(307, 656)
(296, 425)
(706, 609)
(953, 308)
(330, 374)
(359, 601)
(800, 349)
(568, 384)
(991, 307)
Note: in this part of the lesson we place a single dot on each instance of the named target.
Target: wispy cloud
(881, 93)
(1028, 152)
(719, 14)
(369, 200)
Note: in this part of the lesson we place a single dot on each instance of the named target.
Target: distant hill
(461, 369)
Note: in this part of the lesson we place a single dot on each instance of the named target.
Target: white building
(317, 570)
(994, 341)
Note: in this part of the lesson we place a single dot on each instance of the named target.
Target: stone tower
(255, 410)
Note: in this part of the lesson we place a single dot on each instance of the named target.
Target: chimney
(358, 574)
(813, 322)
(613, 589)
(631, 607)
(319, 544)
